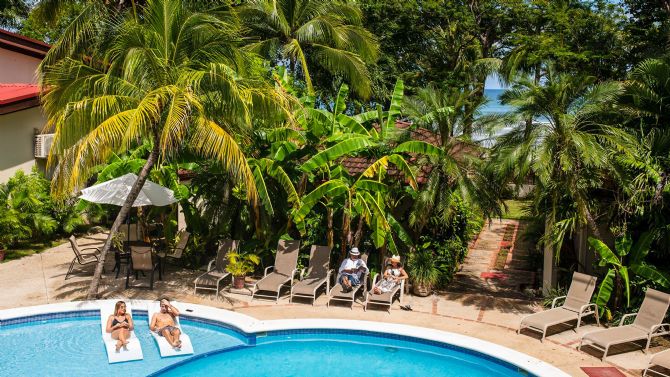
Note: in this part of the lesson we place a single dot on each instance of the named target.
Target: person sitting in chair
(351, 270)
(164, 324)
(393, 275)
(120, 324)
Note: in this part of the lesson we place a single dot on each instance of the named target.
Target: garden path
(498, 262)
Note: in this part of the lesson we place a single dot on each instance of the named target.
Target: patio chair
(175, 253)
(216, 269)
(81, 258)
(141, 260)
(647, 325)
(658, 361)
(282, 273)
(317, 274)
(577, 305)
(385, 298)
(338, 293)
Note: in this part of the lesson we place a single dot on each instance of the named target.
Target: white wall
(17, 134)
(17, 68)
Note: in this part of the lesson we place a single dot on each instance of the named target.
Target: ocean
(493, 106)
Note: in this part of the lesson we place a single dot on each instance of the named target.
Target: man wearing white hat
(351, 269)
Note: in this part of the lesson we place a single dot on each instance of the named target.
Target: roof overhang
(23, 45)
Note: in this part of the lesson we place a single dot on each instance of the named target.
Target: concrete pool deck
(39, 279)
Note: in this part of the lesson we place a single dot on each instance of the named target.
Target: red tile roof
(14, 97)
(22, 44)
(357, 165)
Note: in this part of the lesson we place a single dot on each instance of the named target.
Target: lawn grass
(516, 210)
(24, 249)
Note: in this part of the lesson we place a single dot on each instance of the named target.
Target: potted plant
(239, 265)
(423, 272)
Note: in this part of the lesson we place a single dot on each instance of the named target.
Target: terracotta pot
(2, 254)
(421, 290)
(238, 282)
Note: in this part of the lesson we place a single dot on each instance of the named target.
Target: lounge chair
(80, 258)
(174, 255)
(577, 305)
(216, 269)
(132, 351)
(282, 273)
(141, 260)
(316, 275)
(338, 293)
(385, 298)
(658, 361)
(647, 324)
(163, 346)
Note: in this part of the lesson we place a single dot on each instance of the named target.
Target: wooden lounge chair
(283, 271)
(647, 324)
(317, 274)
(338, 293)
(80, 257)
(577, 305)
(216, 269)
(142, 260)
(385, 298)
(659, 365)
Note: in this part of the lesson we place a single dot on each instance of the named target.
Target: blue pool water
(73, 347)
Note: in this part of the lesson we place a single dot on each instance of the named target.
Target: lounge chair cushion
(384, 297)
(272, 282)
(549, 317)
(662, 359)
(307, 286)
(615, 335)
(210, 278)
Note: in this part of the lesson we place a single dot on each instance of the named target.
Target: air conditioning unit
(43, 144)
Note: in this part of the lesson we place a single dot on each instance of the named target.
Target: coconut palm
(565, 148)
(172, 76)
(309, 33)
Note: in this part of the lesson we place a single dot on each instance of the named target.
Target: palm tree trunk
(125, 209)
(346, 225)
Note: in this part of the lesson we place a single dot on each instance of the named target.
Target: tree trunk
(125, 209)
(346, 224)
(330, 234)
(592, 222)
(359, 232)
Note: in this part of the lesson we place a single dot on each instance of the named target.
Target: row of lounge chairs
(306, 283)
(647, 323)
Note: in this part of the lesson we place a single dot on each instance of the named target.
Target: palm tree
(565, 148)
(174, 77)
(306, 33)
(458, 169)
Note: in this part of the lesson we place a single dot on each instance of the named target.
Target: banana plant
(625, 260)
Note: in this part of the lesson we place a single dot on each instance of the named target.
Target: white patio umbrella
(115, 191)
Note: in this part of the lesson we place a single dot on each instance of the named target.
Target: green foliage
(626, 259)
(27, 211)
(422, 268)
(241, 264)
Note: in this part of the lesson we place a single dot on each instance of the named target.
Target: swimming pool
(67, 343)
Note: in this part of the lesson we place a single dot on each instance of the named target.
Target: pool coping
(249, 325)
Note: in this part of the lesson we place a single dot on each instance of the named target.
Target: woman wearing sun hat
(393, 275)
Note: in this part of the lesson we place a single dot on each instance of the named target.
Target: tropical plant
(565, 148)
(310, 33)
(626, 259)
(174, 77)
(422, 271)
(241, 264)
